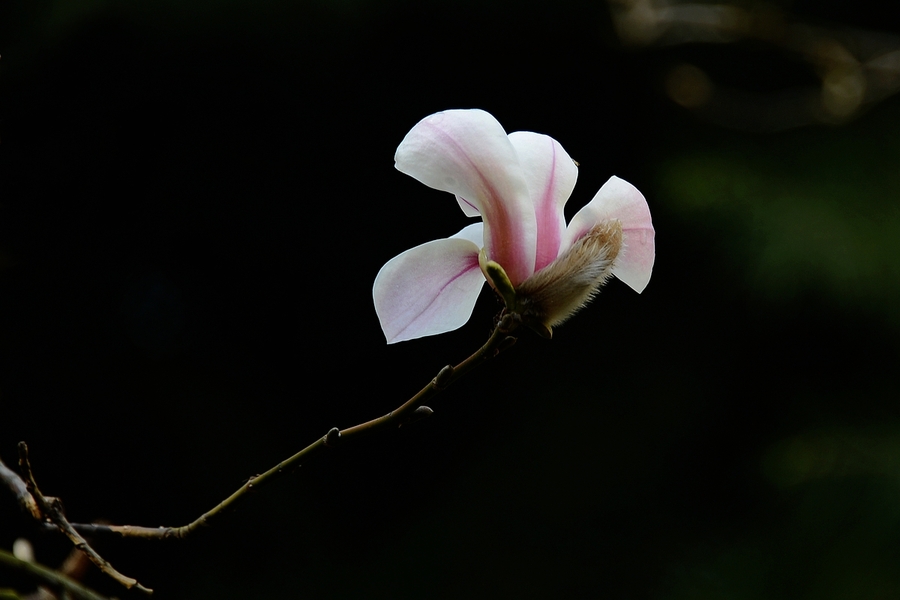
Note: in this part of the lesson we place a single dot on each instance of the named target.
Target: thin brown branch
(20, 490)
(411, 410)
(51, 509)
(49, 577)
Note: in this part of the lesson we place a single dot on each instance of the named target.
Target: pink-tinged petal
(550, 174)
(620, 200)
(428, 289)
(467, 153)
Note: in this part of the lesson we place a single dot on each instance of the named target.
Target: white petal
(474, 233)
(550, 174)
(429, 289)
(467, 153)
(620, 200)
(467, 207)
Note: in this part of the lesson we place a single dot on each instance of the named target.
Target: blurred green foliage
(809, 211)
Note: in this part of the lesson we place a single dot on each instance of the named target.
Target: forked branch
(49, 509)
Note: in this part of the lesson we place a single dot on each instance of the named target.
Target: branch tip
(51, 509)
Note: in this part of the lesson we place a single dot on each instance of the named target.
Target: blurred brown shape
(855, 68)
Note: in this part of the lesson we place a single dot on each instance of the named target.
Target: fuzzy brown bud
(559, 290)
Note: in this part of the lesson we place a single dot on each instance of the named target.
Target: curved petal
(620, 200)
(550, 174)
(428, 289)
(474, 233)
(467, 153)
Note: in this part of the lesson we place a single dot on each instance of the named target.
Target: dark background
(195, 198)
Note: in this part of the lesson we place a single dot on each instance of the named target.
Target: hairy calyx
(563, 287)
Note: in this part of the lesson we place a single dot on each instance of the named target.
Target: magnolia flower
(518, 184)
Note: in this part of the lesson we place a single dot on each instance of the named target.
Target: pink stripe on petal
(467, 207)
(619, 200)
(551, 175)
(428, 289)
(467, 153)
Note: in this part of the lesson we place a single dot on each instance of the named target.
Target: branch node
(20, 489)
(333, 437)
(423, 411)
(417, 415)
(55, 504)
(507, 343)
(442, 379)
(508, 322)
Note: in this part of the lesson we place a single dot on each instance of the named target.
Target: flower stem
(411, 410)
